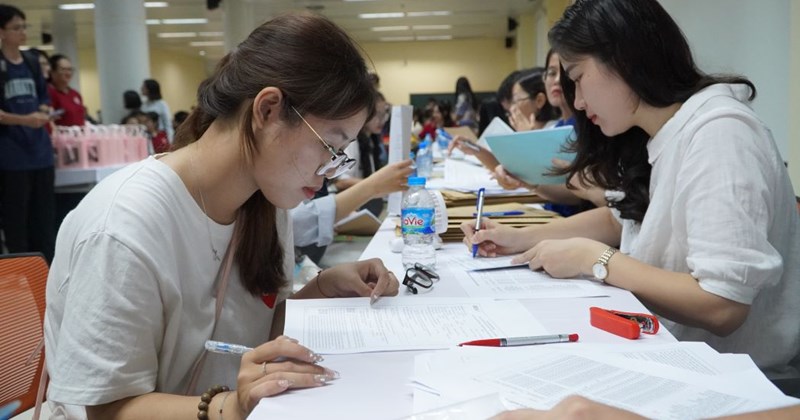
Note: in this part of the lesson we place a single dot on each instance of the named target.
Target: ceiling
(466, 19)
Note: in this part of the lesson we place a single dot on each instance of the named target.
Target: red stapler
(623, 324)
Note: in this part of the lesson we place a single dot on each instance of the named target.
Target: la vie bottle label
(417, 221)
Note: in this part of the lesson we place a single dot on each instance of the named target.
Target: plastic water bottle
(425, 158)
(442, 138)
(418, 224)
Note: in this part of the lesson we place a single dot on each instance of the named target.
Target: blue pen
(501, 213)
(478, 219)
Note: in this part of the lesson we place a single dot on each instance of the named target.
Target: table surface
(376, 385)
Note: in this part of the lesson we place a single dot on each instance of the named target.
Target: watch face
(600, 271)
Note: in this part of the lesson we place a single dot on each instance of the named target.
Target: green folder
(527, 154)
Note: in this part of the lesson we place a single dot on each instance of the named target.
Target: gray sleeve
(313, 220)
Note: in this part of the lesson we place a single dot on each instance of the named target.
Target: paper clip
(623, 324)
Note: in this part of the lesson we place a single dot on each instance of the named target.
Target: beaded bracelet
(205, 400)
(320, 287)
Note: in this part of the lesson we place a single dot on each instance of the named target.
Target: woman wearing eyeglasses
(194, 245)
(530, 109)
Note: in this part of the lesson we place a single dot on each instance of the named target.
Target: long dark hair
(320, 72)
(638, 41)
(463, 87)
(132, 100)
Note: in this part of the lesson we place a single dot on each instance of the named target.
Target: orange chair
(23, 278)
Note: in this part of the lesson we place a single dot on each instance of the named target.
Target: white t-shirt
(722, 208)
(131, 293)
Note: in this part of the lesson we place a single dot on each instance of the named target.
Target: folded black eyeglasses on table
(420, 278)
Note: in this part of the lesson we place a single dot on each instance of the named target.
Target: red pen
(522, 341)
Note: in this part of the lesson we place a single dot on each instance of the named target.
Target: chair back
(23, 278)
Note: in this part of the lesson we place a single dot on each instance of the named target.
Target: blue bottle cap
(416, 180)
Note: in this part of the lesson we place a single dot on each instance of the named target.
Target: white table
(82, 178)
(375, 385)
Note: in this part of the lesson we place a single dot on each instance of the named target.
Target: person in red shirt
(62, 97)
(157, 137)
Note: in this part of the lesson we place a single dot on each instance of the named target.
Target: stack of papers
(665, 381)
(504, 213)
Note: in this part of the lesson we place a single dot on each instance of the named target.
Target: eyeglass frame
(339, 163)
(420, 272)
(516, 101)
(17, 28)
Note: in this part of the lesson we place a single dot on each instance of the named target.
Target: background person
(27, 199)
(62, 96)
(151, 90)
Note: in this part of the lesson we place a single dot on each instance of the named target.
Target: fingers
(281, 347)
(387, 286)
(559, 163)
(452, 145)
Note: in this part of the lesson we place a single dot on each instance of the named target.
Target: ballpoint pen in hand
(472, 146)
(478, 217)
(221, 347)
(522, 341)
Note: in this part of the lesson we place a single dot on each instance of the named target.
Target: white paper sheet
(464, 261)
(372, 386)
(521, 283)
(331, 326)
(540, 377)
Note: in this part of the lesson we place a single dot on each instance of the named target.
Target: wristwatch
(600, 268)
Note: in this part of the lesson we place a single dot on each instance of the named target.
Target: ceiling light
(434, 37)
(387, 15)
(396, 38)
(153, 21)
(206, 44)
(431, 27)
(76, 6)
(177, 35)
(202, 53)
(434, 13)
(184, 21)
(212, 33)
(40, 47)
(88, 6)
(390, 28)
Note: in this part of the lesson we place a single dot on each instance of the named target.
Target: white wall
(748, 37)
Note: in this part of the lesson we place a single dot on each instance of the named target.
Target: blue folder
(527, 154)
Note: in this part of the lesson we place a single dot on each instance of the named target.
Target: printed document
(540, 377)
(351, 325)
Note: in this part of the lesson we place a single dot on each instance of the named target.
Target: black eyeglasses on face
(420, 278)
(339, 163)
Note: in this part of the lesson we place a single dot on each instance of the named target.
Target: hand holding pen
(271, 369)
(478, 217)
(494, 239)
